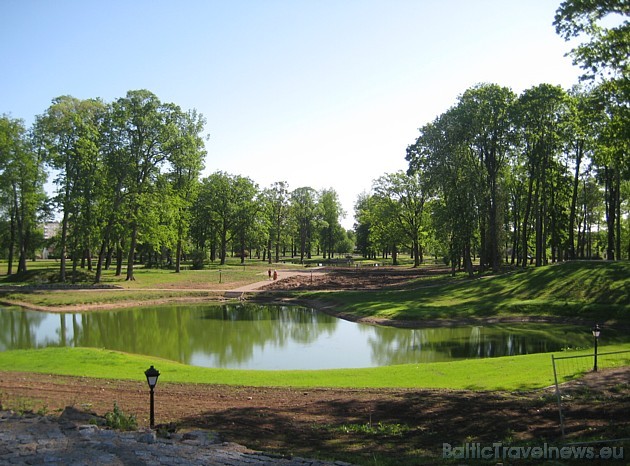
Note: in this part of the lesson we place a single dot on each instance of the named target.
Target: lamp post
(596, 330)
(152, 375)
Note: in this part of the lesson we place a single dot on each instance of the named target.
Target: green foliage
(607, 48)
(198, 259)
(380, 429)
(118, 420)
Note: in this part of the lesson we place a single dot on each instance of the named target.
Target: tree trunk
(611, 210)
(576, 181)
(11, 244)
(528, 206)
(132, 252)
(618, 213)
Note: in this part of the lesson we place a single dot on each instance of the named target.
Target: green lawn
(506, 373)
(594, 291)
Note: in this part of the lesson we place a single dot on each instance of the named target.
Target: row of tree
(231, 212)
(499, 176)
(510, 177)
(128, 188)
(506, 177)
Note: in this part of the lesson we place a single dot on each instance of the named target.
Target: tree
(187, 155)
(142, 137)
(486, 121)
(406, 197)
(330, 231)
(611, 156)
(69, 133)
(540, 115)
(364, 228)
(450, 169)
(227, 203)
(607, 50)
(21, 188)
(303, 202)
(244, 227)
(276, 207)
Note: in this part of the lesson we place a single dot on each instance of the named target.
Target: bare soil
(356, 278)
(404, 426)
(322, 422)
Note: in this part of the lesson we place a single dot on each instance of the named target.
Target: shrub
(118, 420)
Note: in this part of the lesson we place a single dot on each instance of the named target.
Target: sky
(319, 93)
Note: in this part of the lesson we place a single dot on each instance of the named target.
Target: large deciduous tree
(187, 154)
(21, 188)
(406, 197)
(69, 134)
(330, 231)
(304, 212)
(143, 138)
(606, 52)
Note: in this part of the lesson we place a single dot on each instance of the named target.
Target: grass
(597, 291)
(506, 373)
(69, 297)
(149, 284)
(594, 291)
(213, 276)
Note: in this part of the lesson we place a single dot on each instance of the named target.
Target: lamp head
(152, 375)
(596, 331)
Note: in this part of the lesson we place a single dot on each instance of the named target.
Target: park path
(282, 274)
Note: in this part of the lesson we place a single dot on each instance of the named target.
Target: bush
(118, 420)
(198, 258)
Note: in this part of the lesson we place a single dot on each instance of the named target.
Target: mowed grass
(149, 284)
(506, 373)
(598, 291)
(70, 297)
(212, 276)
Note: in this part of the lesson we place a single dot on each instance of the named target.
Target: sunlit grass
(588, 290)
(78, 298)
(506, 373)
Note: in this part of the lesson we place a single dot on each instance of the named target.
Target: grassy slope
(507, 373)
(596, 291)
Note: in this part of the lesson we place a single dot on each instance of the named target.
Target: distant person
(275, 274)
(269, 273)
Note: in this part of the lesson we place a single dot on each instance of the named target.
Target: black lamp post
(152, 375)
(596, 330)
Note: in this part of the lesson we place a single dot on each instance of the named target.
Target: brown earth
(355, 278)
(325, 422)
(363, 426)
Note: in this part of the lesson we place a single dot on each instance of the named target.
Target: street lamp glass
(152, 375)
(596, 330)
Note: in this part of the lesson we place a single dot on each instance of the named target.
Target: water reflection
(272, 337)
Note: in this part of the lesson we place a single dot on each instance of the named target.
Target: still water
(251, 336)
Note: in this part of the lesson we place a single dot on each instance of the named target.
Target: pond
(252, 336)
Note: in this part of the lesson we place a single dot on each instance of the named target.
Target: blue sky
(320, 93)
